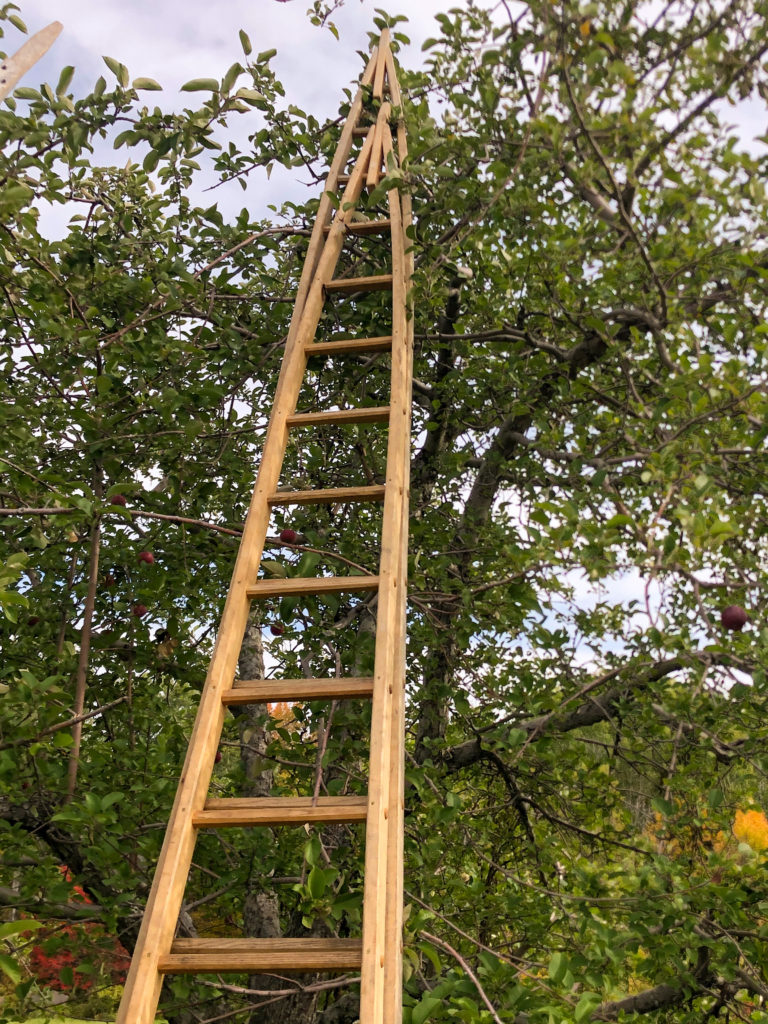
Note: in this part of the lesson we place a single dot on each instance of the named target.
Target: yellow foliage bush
(751, 827)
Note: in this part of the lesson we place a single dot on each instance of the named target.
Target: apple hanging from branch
(734, 617)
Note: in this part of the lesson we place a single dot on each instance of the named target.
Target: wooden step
(328, 495)
(365, 227)
(279, 810)
(253, 956)
(312, 585)
(350, 285)
(363, 414)
(267, 691)
(362, 130)
(334, 348)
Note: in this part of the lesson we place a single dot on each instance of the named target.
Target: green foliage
(588, 491)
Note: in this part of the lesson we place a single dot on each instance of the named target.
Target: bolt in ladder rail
(378, 955)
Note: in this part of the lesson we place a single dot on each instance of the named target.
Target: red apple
(147, 557)
(276, 629)
(139, 610)
(289, 536)
(109, 580)
(33, 620)
(118, 499)
(734, 617)
(218, 757)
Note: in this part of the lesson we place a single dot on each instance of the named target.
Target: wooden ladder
(378, 955)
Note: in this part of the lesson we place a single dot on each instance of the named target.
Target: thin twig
(466, 968)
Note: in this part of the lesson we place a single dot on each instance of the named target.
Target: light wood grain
(144, 980)
(269, 691)
(311, 585)
(380, 950)
(288, 810)
(350, 345)
(197, 956)
(12, 69)
(351, 285)
(329, 495)
(341, 417)
(381, 983)
(367, 227)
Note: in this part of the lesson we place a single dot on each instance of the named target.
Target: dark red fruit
(276, 629)
(289, 536)
(33, 620)
(217, 759)
(109, 580)
(734, 617)
(118, 499)
(139, 610)
(146, 556)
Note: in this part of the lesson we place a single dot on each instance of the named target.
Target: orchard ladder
(378, 955)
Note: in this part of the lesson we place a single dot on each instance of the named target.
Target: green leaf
(585, 1006)
(148, 84)
(65, 79)
(18, 927)
(120, 71)
(201, 85)
(245, 42)
(316, 883)
(424, 1008)
(312, 851)
(10, 968)
(265, 56)
(557, 967)
(274, 568)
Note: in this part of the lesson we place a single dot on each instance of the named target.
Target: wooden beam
(12, 69)
(280, 810)
(268, 691)
(329, 495)
(311, 585)
(341, 417)
(252, 956)
(349, 285)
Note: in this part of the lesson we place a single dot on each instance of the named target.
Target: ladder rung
(328, 495)
(251, 956)
(265, 691)
(312, 585)
(365, 227)
(332, 348)
(280, 810)
(347, 285)
(363, 414)
(362, 129)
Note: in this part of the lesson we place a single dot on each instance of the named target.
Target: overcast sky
(174, 41)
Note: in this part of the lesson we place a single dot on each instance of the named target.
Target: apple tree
(585, 826)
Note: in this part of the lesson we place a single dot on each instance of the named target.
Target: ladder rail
(382, 917)
(144, 981)
(382, 808)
